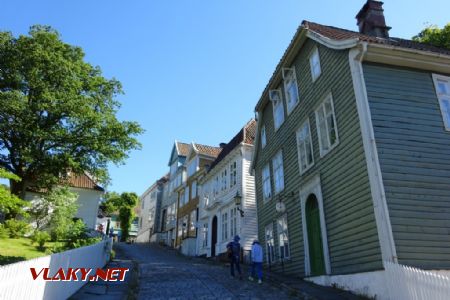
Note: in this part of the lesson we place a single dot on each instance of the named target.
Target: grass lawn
(14, 250)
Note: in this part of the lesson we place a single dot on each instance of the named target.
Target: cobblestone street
(164, 274)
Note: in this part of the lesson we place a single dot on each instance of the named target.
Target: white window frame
(216, 185)
(321, 107)
(270, 239)
(233, 174)
(276, 97)
(290, 78)
(279, 232)
(187, 195)
(263, 137)
(192, 166)
(224, 180)
(313, 64)
(266, 184)
(278, 167)
(194, 189)
(443, 97)
(192, 223)
(182, 198)
(205, 235)
(233, 222)
(301, 146)
(224, 226)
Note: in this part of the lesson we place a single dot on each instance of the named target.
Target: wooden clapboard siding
(351, 230)
(413, 149)
(249, 224)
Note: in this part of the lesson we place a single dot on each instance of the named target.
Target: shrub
(16, 228)
(3, 232)
(40, 238)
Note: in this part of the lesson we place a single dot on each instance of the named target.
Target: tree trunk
(18, 188)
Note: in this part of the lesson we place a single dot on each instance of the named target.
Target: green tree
(57, 112)
(435, 36)
(123, 204)
(10, 205)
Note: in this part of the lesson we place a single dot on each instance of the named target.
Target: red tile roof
(183, 149)
(344, 34)
(246, 135)
(208, 150)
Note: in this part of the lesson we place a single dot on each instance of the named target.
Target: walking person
(257, 260)
(234, 254)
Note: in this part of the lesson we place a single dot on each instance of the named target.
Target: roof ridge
(306, 24)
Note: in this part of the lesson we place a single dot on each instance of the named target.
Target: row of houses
(346, 166)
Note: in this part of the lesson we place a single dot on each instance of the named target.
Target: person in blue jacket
(234, 254)
(257, 260)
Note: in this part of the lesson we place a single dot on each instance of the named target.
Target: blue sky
(193, 70)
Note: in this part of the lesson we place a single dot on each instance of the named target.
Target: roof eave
(291, 52)
(404, 57)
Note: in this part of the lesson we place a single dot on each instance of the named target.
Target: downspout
(381, 212)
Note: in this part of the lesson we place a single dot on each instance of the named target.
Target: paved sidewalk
(110, 290)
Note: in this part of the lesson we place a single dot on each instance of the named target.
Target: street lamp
(237, 201)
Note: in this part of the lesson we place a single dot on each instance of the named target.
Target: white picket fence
(16, 281)
(413, 284)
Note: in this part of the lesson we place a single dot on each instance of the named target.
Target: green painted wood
(316, 258)
(347, 199)
(413, 150)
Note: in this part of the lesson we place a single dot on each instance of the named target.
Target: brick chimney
(371, 20)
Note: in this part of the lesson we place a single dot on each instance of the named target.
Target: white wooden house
(220, 219)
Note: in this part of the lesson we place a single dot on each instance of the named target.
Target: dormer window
(314, 62)
(290, 88)
(278, 109)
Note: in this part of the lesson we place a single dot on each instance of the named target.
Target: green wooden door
(316, 258)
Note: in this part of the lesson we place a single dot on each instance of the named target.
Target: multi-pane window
(442, 85)
(283, 237)
(290, 88)
(216, 185)
(224, 226)
(182, 198)
(193, 220)
(326, 126)
(194, 189)
(192, 166)
(270, 250)
(267, 187)
(278, 109)
(205, 235)
(233, 222)
(186, 195)
(233, 174)
(263, 137)
(180, 228)
(304, 147)
(314, 62)
(224, 177)
(278, 172)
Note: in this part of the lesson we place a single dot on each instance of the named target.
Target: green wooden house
(352, 160)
